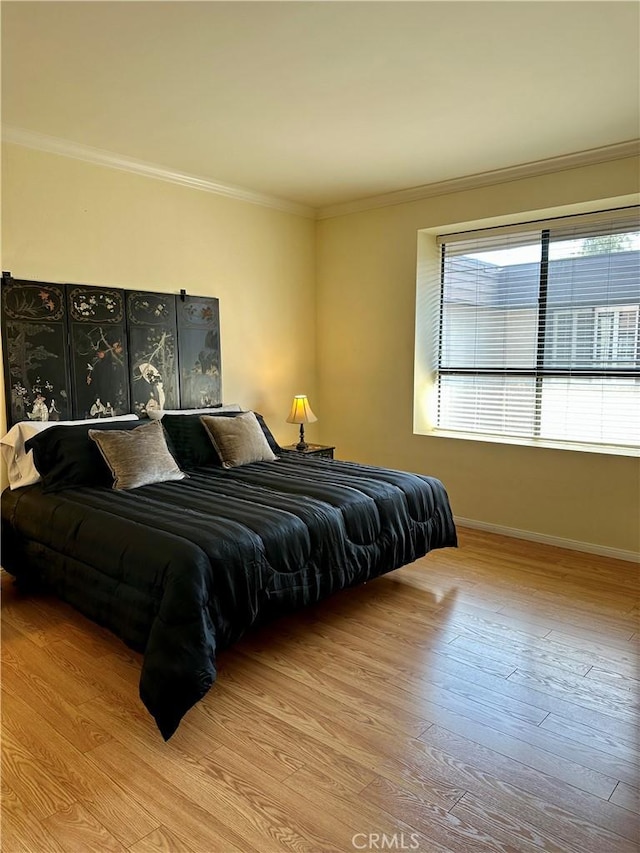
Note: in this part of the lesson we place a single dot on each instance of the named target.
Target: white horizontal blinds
(591, 409)
(540, 331)
(593, 333)
(486, 404)
(585, 223)
(490, 302)
(488, 327)
(593, 297)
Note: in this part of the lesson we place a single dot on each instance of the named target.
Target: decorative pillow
(189, 441)
(137, 457)
(21, 469)
(271, 441)
(238, 440)
(65, 456)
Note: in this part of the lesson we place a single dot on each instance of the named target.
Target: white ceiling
(325, 102)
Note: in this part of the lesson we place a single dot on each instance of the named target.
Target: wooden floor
(483, 699)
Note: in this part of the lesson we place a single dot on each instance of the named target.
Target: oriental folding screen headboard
(79, 351)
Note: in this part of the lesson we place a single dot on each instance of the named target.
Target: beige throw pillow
(239, 440)
(137, 457)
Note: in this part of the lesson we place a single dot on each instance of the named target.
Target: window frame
(544, 369)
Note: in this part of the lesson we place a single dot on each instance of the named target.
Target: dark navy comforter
(180, 569)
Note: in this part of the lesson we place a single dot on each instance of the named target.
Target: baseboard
(558, 541)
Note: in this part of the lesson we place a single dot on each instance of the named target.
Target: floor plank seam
(614, 790)
(459, 800)
(539, 724)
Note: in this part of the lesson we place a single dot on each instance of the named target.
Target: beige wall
(64, 220)
(67, 221)
(366, 326)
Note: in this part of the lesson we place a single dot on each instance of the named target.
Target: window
(539, 331)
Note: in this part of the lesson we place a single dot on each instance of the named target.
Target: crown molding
(101, 157)
(619, 151)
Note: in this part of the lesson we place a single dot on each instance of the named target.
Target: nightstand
(322, 451)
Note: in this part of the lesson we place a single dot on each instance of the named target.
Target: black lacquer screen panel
(98, 347)
(199, 341)
(77, 351)
(153, 351)
(35, 351)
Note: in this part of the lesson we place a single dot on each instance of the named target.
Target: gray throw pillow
(239, 440)
(137, 457)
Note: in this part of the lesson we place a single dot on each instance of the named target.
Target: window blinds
(540, 331)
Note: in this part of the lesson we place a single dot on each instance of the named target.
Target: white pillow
(20, 466)
(157, 414)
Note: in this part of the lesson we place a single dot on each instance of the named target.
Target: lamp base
(302, 444)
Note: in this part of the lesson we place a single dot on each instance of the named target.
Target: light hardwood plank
(561, 615)
(212, 782)
(161, 840)
(348, 659)
(615, 679)
(413, 640)
(595, 696)
(278, 737)
(455, 676)
(613, 650)
(266, 748)
(360, 745)
(21, 612)
(364, 819)
(590, 808)
(439, 825)
(33, 769)
(167, 802)
(117, 679)
(519, 655)
(76, 829)
(315, 827)
(627, 796)
(484, 718)
(521, 578)
(549, 754)
(519, 834)
(627, 750)
(407, 717)
(21, 831)
(21, 682)
(42, 664)
(59, 772)
(330, 699)
(44, 620)
(465, 768)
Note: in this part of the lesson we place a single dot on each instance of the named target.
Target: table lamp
(301, 414)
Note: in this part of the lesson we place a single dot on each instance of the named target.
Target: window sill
(582, 447)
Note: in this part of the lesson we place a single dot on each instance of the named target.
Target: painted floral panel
(34, 341)
(152, 351)
(96, 305)
(99, 364)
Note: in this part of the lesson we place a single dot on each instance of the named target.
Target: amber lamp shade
(302, 414)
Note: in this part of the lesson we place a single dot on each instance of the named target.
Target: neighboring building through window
(539, 332)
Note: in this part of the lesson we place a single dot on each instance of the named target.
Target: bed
(182, 568)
